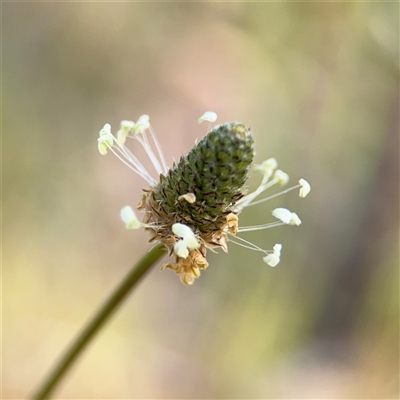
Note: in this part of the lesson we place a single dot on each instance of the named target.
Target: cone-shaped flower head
(194, 205)
(200, 191)
(213, 173)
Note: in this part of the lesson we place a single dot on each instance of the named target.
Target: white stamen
(124, 154)
(127, 125)
(146, 145)
(130, 157)
(125, 128)
(286, 216)
(250, 245)
(295, 219)
(180, 249)
(121, 136)
(187, 236)
(181, 230)
(264, 185)
(105, 140)
(277, 248)
(272, 260)
(106, 130)
(104, 143)
(281, 177)
(144, 174)
(273, 196)
(266, 167)
(260, 227)
(159, 150)
(210, 116)
(283, 214)
(129, 217)
(142, 124)
(305, 188)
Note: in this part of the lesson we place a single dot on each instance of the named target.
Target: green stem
(99, 319)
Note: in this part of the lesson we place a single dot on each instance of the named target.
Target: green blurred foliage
(319, 85)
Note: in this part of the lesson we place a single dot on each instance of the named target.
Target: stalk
(104, 313)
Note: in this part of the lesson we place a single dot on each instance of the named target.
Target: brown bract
(159, 224)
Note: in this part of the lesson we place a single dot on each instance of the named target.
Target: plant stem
(99, 319)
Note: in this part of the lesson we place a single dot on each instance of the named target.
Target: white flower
(129, 217)
(305, 188)
(210, 116)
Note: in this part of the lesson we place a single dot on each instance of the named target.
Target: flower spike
(194, 206)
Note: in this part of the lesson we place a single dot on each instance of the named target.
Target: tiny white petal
(181, 249)
(142, 124)
(305, 188)
(282, 177)
(272, 260)
(210, 116)
(295, 220)
(129, 217)
(283, 214)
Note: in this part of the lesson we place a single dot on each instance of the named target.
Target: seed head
(201, 191)
(194, 205)
(213, 174)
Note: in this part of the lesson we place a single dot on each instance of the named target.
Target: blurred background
(318, 84)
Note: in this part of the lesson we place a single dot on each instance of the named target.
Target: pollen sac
(214, 171)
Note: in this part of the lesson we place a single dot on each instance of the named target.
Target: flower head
(195, 204)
